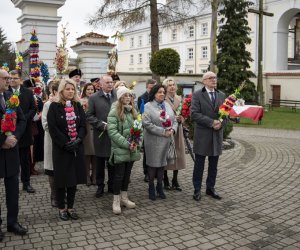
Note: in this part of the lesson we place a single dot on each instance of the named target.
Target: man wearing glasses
(27, 105)
(98, 109)
(9, 161)
(208, 134)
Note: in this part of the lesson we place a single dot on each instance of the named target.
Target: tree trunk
(154, 31)
(213, 35)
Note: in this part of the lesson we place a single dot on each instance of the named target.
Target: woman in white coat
(48, 162)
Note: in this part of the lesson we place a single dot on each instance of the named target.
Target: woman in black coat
(66, 122)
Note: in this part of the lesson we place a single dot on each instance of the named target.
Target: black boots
(152, 195)
(160, 191)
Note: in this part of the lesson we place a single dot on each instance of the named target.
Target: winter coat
(9, 158)
(207, 141)
(98, 109)
(48, 162)
(27, 104)
(155, 143)
(180, 161)
(119, 132)
(69, 168)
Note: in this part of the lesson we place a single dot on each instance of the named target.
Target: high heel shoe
(175, 186)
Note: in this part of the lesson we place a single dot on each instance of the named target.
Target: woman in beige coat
(174, 101)
(89, 151)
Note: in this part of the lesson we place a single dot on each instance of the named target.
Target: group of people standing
(87, 133)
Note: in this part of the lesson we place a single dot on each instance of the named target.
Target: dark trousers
(156, 172)
(145, 166)
(100, 172)
(12, 199)
(122, 174)
(68, 192)
(199, 168)
(24, 154)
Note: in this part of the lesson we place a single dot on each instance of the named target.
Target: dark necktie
(213, 98)
(2, 101)
(108, 97)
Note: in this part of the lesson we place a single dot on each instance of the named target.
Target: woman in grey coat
(159, 126)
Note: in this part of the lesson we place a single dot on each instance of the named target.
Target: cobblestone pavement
(258, 179)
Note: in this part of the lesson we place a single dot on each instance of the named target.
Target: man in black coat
(9, 161)
(28, 107)
(142, 100)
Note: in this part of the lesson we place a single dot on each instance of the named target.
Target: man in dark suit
(98, 109)
(28, 107)
(208, 134)
(142, 100)
(9, 161)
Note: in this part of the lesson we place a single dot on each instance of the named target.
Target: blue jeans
(199, 168)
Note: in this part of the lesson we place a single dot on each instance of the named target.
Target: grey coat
(207, 141)
(96, 115)
(155, 143)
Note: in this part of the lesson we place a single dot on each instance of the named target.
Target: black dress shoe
(212, 192)
(99, 192)
(1, 235)
(63, 215)
(197, 196)
(72, 214)
(17, 229)
(175, 186)
(28, 189)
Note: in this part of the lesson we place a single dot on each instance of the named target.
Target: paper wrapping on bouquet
(171, 155)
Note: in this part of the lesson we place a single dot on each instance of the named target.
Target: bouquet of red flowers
(9, 119)
(186, 106)
(165, 120)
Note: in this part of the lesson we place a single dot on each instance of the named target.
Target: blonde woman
(123, 153)
(174, 100)
(67, 128)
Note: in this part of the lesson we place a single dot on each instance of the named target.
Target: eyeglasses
(14, 78)
(6, 78)
(211, 78)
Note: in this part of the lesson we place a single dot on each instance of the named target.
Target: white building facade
(191, 41)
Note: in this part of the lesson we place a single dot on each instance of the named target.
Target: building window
(204, 52)
(190, 53)
(190, 71)
(174, 34)
(140, 60)
(140, 41)
(131, 59)
(159, 37)
(203, 70)
(191, 31)
(131, 42)
(204, 29)
(149, 57)
(149, 39)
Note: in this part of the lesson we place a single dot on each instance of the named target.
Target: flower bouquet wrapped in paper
(227, 105)
(136, 131)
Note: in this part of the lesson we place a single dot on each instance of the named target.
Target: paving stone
(258, 179)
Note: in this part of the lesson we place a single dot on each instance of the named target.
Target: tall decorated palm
(34, 60)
